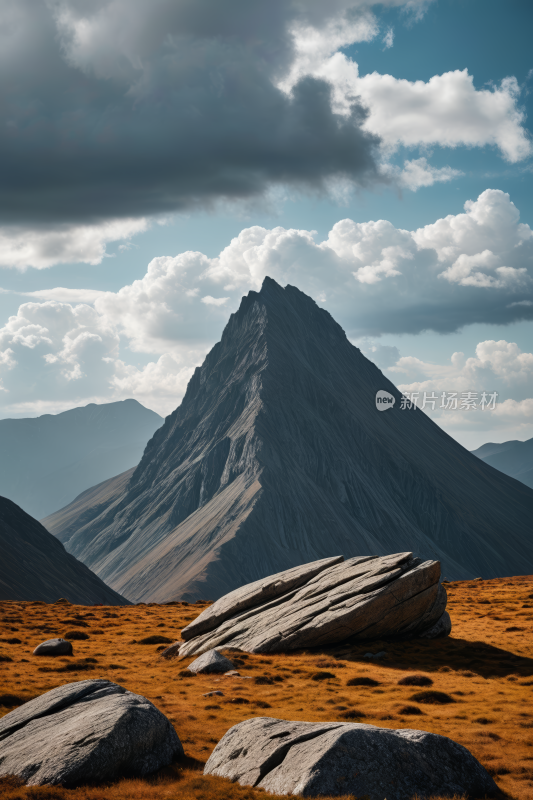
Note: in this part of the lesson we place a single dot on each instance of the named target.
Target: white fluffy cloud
(25, 246)
(497, 366)
(447, 110)
(374, 278)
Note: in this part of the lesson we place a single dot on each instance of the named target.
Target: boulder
(338, 758)
(212, 661)
(84, 732)
(363, 598)
(53, 647)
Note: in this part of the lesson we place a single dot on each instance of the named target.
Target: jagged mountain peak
(277, 456)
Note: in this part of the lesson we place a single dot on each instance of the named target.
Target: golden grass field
(482, 674)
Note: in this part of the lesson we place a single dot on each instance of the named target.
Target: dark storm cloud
(127, 108)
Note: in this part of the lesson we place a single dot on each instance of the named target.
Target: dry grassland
(477, 690)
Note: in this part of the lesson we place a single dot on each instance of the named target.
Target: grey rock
(213, 694)
(332, 758)
(381, 654)
(211, 661)
(53, 647)
(443, 627)
(363, 598)
(255, 594)
(277, 457)
(85, 731)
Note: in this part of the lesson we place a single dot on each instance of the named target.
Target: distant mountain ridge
(277, 456)
(45, 462)
(34, 565)
(513, 458)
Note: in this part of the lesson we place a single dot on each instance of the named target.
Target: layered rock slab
(366, 597)
(332, 758)
(83, 732)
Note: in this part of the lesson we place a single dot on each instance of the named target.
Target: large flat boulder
(85, 731)
(337, 758)
(367, 597)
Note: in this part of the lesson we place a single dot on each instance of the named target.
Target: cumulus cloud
(417, 173)
(447, 110)
(130, 109)
(374, 278)
(497, 366)
(41, 247)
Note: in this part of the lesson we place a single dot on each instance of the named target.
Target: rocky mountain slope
(513, 458)
(45, 462)
(34, 565)
(278, 456)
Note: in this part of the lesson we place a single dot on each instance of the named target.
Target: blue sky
(220, 148)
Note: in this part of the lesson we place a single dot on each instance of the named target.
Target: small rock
(233, 673)
(212, 661)
(213, 694)
(54, 647)
(381, 654)
(85, 732)
(339, 758)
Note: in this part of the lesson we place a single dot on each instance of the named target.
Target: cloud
(388, 39)
(41, 247)
(123, 108)
(447, 110)
(417, 173)
(498, 366)
(373, 277)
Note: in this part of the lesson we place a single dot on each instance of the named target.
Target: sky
(160, 159)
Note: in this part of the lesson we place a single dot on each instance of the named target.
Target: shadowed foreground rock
(324, 603)
(334, 758)
(84, 732)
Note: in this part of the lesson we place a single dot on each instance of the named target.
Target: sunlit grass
(485, 668)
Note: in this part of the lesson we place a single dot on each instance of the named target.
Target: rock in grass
(84, 732)
(212, 661)
(53, 647)
(338, 758)
(325, 603)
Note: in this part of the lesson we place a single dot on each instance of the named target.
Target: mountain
(278, 456)
(45, 462)
(513, 458)
(35, 565)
